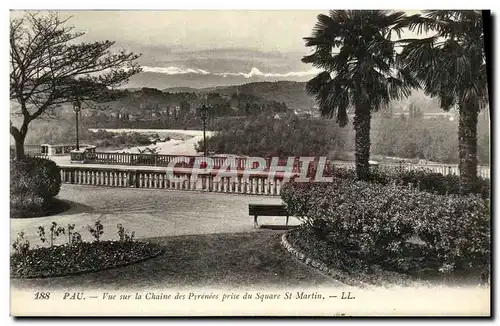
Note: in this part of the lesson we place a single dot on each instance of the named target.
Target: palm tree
(356, 52)
(451, 66)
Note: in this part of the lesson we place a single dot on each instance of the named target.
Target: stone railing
(161, 160)
(255, 184)
(63, 149)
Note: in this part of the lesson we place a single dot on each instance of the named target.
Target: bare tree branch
(49, 68)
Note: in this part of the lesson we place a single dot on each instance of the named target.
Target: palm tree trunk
(362, 120)
(467, 145)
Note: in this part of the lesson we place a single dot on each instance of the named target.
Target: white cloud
(253, 72)
(256, 72)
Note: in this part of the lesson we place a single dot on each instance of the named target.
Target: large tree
(450, 63)
(356, 51)
(48, 67)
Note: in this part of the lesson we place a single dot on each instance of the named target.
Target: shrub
(37, 176)
(457, 232)
(366, 215)
(438, 183)
(376, 221)
(34, 182)
(22, 203)
(422, 179)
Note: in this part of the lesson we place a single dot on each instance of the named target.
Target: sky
(196, 48)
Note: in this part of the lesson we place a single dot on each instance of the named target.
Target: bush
(39, 176)
(441, 184)
(34, 182)
(457, 232)
(27, 203)
(423, 179)
(375, 223)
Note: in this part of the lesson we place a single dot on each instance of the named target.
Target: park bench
(257, 210)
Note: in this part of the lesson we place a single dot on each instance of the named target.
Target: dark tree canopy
(451, 65)
(356, 51)
(451, 62)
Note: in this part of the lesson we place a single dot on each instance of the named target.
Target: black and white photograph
(321, 162)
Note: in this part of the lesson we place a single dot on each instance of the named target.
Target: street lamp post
(204, 115)
(77, 106)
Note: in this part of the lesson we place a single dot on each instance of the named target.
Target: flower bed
(76, 256)
(85, 257)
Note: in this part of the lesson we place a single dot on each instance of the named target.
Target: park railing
(47, 150)
(154, 179)
(30, 150)
(160, 160)
(445, 169)
(256, 183)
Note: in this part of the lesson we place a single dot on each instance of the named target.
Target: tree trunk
(19, 138)
(467, 145)
(362, 120)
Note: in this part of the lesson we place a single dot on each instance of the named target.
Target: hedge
(423, 179)
(377, 221)
(34, 182)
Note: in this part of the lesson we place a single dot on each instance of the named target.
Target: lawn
(229, 260)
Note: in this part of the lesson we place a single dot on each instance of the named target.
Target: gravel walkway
(208, 239)
(150, 212)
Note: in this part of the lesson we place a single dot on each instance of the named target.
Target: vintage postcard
(250, 163)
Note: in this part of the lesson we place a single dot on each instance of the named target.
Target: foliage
(21, 246)
(26, 205)
(83, 257)
(34, 182)
(49, 68)
(76, 256)
(103, 138)
(35, 175)
(71, 233)
(375, 222)
(63, 132)
(457, 232)
(97, 230)
(288, 136)
(421, 179)
(450, 64)
(124, 235)
(356, 54)
(429, 139)
(441, 184)
(55, 232)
